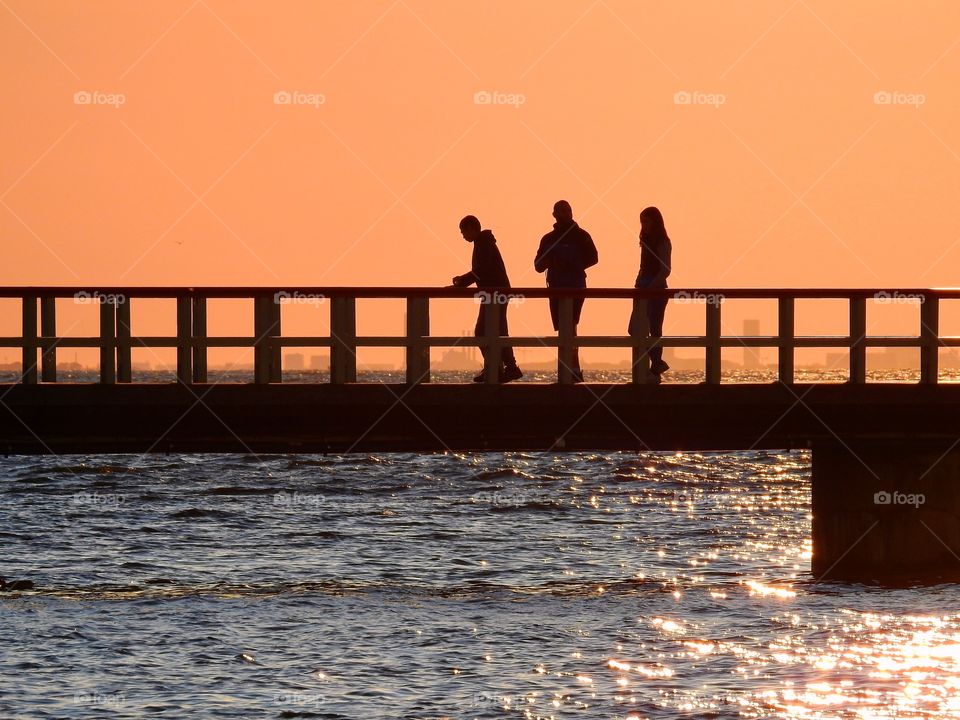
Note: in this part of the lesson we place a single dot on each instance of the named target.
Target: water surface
(527, 585)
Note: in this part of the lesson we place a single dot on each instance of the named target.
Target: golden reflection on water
(816, 662)
(865, 666)
(763, 590)
(821, 663)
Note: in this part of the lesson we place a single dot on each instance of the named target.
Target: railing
(116, 341)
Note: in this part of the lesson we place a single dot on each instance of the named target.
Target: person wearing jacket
(488, 272)
(656, 253)
(564, 254)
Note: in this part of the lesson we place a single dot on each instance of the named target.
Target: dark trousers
(655, 313)
(555, 312)
(555, 316)
(507, 358)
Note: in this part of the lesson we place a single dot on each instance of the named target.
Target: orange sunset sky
(787, 142)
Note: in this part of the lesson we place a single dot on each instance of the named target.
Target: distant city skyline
(894, 358)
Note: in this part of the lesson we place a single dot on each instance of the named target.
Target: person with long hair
(656, 253)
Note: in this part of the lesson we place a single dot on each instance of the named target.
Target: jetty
(885, 456)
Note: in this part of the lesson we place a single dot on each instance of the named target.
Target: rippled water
(522, 585)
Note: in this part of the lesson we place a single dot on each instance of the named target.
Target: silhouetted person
(565, 253)
(655, 259)
(488, 272)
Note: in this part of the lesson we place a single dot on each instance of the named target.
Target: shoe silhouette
(659, 367)
(509, 373)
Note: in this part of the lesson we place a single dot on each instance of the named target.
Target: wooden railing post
(640, 335)
(28, 370)
(566, 338)
(48, 343)
(418, 330)
(343, 334)
(929, 339)
(261, 358)
(199, 336)
(786, 346)
(275, 349)
(712, 354)
(266, 353)
(124, 352)
(858, 339)
(184, 350)
(108, 338)
(491, 337)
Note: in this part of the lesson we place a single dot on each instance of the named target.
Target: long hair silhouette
(652, 226)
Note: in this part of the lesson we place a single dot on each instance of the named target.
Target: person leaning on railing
(565, 253)
(488, 272)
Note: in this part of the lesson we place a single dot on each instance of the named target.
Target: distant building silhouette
(681, 363)
(464, 357)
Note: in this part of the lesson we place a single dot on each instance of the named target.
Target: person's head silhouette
(562, 212)
(651, 223)
(470, 228)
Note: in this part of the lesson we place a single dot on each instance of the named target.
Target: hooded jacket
(486, 265)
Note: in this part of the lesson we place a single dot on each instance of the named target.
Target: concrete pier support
(886, 511)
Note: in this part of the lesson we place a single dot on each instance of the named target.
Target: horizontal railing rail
(116, 341)
(228, 292)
